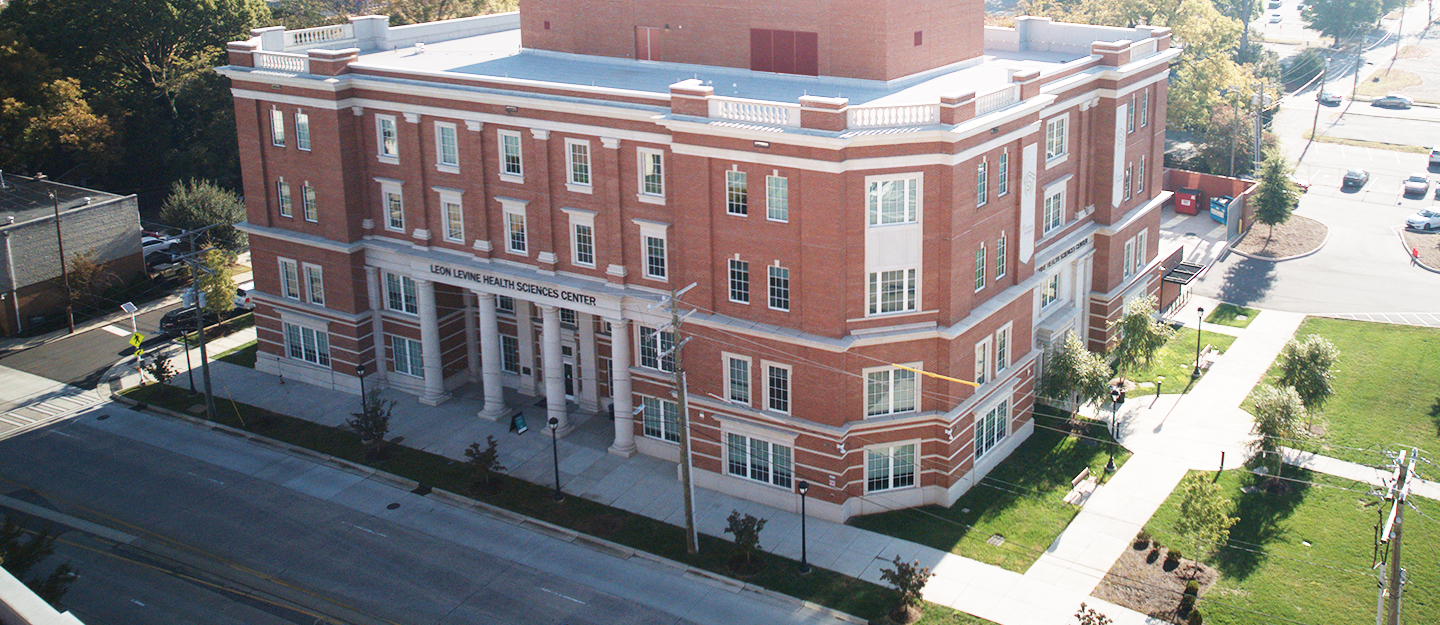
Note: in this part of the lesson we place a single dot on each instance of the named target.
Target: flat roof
(28, 199)
(499, 55)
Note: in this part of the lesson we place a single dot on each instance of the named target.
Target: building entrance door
(567, 354)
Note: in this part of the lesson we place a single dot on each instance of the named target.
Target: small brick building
(104, 226)
(504, 202)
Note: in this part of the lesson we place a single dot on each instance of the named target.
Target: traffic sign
(136, 339)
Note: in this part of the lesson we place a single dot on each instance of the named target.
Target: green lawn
(243, 355)
(1328, 581)
(1021, 499)
(821, 586)
(1229, 315)
(1175, 361)
(1387, 387)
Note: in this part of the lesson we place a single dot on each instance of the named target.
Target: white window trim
(765, 366)
(302, 145)
(308, 270)
(1128, 260)
(982, 182)
(865, 390)
(385, 292)
(749, 445)
(656, 230)
(387, 187)
(1130, 115)
(395, 355)
(451, 196)
(315, 327)
(440, 164)
(277, 133)
(789, 289)
(285, 200)
(767, 198)
(570, 183)
(282, 263)
(744, 185)
(981, 275)
(1002, 250)
(1144, 108)
(985, 359)
(725, 358)
(309, 202)
(980, 416)
(1058, 188)
(1140, 177)
(1044, 284)
(1002, 174)
(730, 281)
(871, 187)
(389, 159)
(1008, 331)
(578, 218)
(911, 306)
(1064, 155)
(1140, 249)
(641, 155)
(639, 340)
(915, 467)
(513, 207)
(500, 151)
(660, 402)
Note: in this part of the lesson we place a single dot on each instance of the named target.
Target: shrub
(908, 579)
(1142, 540)
(1173, 556)
(1195, 618)
(747, 535)
(484, 461)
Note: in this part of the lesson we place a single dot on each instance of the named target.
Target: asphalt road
(1419, 126)
(80, 360)
(292, 539)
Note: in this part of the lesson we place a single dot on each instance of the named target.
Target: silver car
(1417, 184)
(1426, 219)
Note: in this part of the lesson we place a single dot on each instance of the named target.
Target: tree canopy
(1305, 365)
(1071, 371)
(1341, 18)
(1277, 195)
(1277, 412)
(198, 203)
(1140, 334)
(1204, 518)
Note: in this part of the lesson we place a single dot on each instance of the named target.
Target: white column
(525, 332)
(588, 362)
(490, 363)
(472, 350)
(430, 345)
(376, 292)
(553, 366)
(624, 445)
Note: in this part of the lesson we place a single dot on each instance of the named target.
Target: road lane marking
(370, 531)
(205, 478)
(117, 331)
(563, 596)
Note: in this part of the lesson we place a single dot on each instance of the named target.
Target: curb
(1231, 248)
(1400, 235)
(594, 543)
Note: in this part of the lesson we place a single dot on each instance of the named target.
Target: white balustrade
(321, 34)
(1143, 49)
(883, 116)
(755, 111)
(282, 61)
(996, 100)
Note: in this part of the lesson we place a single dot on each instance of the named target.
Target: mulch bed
(1296, 236)
(1147, 587)
(1427, 242)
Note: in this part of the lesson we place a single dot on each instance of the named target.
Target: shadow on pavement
(1247, 281)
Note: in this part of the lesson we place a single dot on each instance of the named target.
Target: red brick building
(504, 201)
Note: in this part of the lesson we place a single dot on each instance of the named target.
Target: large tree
(1342, 18)
(1277, 411)
(46, 123)
(1305, 365)
(1140, 334)
(1277, 195)
(196, 204)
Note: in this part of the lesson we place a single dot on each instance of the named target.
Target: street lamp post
(804, 561)
(1199, 330)
(360, 372)
(555, 453)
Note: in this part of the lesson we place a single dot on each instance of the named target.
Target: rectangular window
(509, 353)
(1054, 210)
(1130, 115)
(388, 136)
(454, 221)
(1002, 349)
(982, 362)
(889, 391)
(779, 287)
(980, 268)
(407, 356)
(892, 291)
(889, 468)
(302, 131)
(289, 279)
(1140, 177)
(315, 284)
(277, 128)
(1002, 174)
(1140, 251)
(758, 460)
(510, 163)
(400, 294)
(655, 257)
(307, 197)
(515, 227)
(1050, 291)
(1129, 258)
(568, 317)
(1000, 257)
(505, 303)
(447, 147)
(982, 172)
(991, 428)
(394, 211)
(309, 345)
(737, 198)
(737, 379)
(652, 345)
(584, 245)
(1056, 139)
(662, 419)
(286, 203)
(577, 161)
(1127, 181)
(739, 281)
(1144, 108)
(777, 385)
(777, 198)
(652, 172)
(894, 201)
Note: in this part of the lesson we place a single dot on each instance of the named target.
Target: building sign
(514, 285)
(1079, 245)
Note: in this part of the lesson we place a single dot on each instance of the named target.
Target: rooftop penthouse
(1020, 68)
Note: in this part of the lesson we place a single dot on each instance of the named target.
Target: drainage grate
(422, 490)
(393, 506)
(995, 540)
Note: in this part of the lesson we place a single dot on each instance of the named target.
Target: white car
(1328, 97)
(1417, 183)
(243, 298)
(150, 245)
(1276, 18)
(1426, 219)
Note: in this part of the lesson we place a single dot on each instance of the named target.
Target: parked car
(1300, 183)
(1276, 18)
(1418, 183)
(243, 300)
(183, 319)
(1394, 101)
(149, 245)
(1434, 156)
(1328, 97)
(1426, 219)
(1355, 178)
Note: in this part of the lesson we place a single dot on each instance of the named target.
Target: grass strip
(243, 355)
(1361, 143)
(821, 586)
(1229, 315)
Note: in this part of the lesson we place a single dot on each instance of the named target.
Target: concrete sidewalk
(1373, 476)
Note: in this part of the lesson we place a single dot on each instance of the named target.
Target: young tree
(908, 579)
(373, 423)
(746, 529)
(1277, 195)
(88, 278)
(215, 281)
(160, 369)
(1204, 514)
(1305, 366)
(199, 203)
(1071, 371)
(484, 462)
(1140, 334)
(1277, 410)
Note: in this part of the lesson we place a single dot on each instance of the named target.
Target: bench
(1081, 487)
(1207, 357)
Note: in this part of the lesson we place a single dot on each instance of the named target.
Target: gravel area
(1427, 242)
(1297, 236)
(1146, 587)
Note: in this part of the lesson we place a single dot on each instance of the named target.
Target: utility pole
(1324, 74)
(692, 539)
(64, 267)
(195, 296)
(1256, 156)
(1392, 531)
